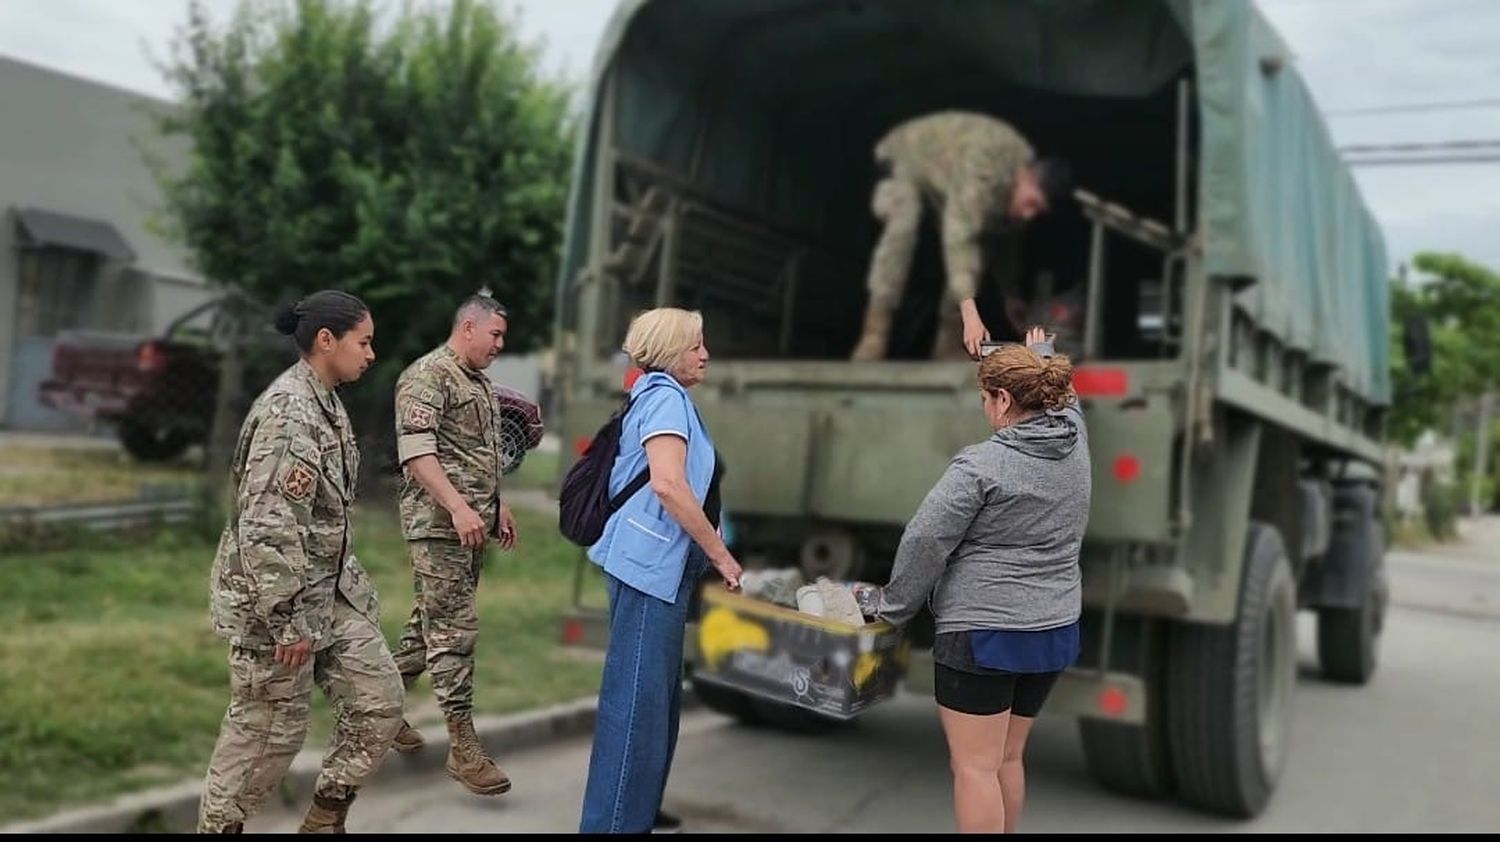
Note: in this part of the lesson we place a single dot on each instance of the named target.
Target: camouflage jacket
(964, 164)
(285, 551)
(447, 409)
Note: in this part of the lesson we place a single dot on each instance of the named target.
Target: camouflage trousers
(439, 637)
(269, 710)
(898, 203)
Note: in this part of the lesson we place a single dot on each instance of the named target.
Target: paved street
(1414, 751)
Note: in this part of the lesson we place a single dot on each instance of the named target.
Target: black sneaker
(666, 823)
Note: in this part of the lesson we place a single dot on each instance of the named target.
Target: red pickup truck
(160, 392)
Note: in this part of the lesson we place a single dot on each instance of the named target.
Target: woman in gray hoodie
(994, 548)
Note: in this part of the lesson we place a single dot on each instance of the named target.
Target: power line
(1473, 151)
(1432, 146)
(1301, 2)
(1414, 107)
(1417, 161)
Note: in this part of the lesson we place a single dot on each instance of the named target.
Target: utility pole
(1481, 451)
(231, 334)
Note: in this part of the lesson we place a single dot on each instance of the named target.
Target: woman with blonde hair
(654, 550)
(994, 548)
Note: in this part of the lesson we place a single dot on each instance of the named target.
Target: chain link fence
(139, 447)
(159, 416)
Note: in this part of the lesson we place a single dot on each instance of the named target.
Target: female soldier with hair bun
(289, 596)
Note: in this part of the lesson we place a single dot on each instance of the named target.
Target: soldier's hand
(295, 655)
(507, 528)
(470, 529)
(974, 333)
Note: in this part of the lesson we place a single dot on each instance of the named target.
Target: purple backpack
(584, 505)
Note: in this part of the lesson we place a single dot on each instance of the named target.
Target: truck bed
(93, 374)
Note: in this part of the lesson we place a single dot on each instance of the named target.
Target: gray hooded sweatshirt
(996, 541)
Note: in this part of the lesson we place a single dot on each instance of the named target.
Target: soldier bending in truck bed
(980, 174)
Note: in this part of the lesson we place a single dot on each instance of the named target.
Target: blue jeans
(635, 733)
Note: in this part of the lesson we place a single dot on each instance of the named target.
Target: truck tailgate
(92, 373)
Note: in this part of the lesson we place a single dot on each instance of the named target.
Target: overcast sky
(1395, 53)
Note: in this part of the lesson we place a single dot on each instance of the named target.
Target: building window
(59, 290)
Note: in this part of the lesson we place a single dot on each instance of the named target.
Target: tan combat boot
(876, 336)
(408, 740)
(467, 762)
(326, 815)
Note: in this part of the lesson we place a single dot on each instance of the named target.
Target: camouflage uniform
(961, 164)
(447, 409)
(284, 573)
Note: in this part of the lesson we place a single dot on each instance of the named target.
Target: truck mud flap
(1111, 696)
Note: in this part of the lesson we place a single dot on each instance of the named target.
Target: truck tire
(1132, 759)
(151, 444)
(719, 699)
(1229, 689)
(1348, 638)
(749, 710)
(780, 716)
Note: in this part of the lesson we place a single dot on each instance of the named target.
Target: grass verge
(112, 680)
(41, 476)
(538, 471)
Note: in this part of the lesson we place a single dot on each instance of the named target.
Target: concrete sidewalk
(174, 809)
(1478, 537)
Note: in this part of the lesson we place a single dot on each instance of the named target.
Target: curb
(174, 808)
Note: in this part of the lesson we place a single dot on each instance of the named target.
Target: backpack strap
(629, 491)
(641, 478)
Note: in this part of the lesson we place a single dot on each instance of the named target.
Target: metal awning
(44, 228)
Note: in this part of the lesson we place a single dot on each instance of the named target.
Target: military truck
(1232, 349)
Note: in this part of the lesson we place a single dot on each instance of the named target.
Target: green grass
(112, 680)
(538, 471)
(50, 475)
(1411, 534)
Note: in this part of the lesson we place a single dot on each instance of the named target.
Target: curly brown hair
(1033, 381)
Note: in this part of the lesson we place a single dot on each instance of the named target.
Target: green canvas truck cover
(751, 96)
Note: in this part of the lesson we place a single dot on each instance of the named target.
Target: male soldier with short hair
(979, 173)
(448, 441)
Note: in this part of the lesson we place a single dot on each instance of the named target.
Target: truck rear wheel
(1132, 759)
(1229, 689)
(720, 699)
(784, 717)
(749, 710)
(1346, 643)
(1349, 637)
(151, 444)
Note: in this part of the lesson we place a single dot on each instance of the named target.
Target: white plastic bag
(831, 600)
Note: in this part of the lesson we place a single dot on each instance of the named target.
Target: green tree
(1466, 296)
(1461, 301)
(410, 161)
